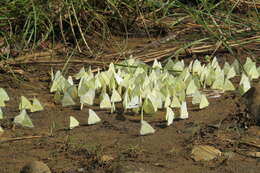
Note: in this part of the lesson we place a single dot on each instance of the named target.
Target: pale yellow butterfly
(93, 117)
(73, 122)
(23, 119)
(146, 128)
(24, 103)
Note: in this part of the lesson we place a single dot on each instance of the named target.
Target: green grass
(27, 24)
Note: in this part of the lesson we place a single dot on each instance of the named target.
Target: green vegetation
(30, 24)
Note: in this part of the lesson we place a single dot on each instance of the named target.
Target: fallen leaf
(204, 153)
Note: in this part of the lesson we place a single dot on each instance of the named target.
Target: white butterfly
(93, 117)
(36, 106)
(203, 101)
(105, 103)
(67, 100)
(146, 128)
(73, 122)
(25, 103)
(169, 116)
(183, 111)
(23, 119)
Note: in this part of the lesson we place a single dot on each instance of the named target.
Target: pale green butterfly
(253, 73)
(25, 103)
(178, 65)
(226, 68)
(203, 101)
(175, 102)
(219, 82)
(105, 102)
(196, 98)
(3, 95)
(167, 101)
(36, 106)
(228, 86)
(148, 106)
(70, 80)
(236, 66)
(72, 91)
(146, 128)
(118, 78)
(81, 73)
(2, 103)
(183, 111)
(231, 73)
(67, 100)
(115, 96)
(133, 103)
(214, 62)
(111, 68)
(169, 116)
(244, 84)
(1, 114)
(23, 119)
(157, 64)
(192, 88)
(73, 122)
(87, 98)
(196, 68)
(93, 117)
(248, 64)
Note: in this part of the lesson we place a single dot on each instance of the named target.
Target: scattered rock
(35, 167)
(205, 153)
(252, 101)
(107, 158)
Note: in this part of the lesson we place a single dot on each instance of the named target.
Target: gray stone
(35, 167)
(252, 101)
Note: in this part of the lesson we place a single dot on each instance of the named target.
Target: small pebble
(35, 167)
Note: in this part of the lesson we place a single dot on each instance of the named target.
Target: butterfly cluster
(144, 89)
(23, 118)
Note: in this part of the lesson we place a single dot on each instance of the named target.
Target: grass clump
(30, 24)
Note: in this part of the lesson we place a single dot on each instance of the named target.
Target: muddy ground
(114, 145)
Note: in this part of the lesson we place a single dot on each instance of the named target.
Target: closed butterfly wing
(203, 101)
(23, 119)
(36, 106)
(2, 103)
(133, 103)
(24, 103)
(70, 80)
(148, 106)
(93, 117)
(192, 88)
(105, 102)
(73, 122)
(67, 100)
(175, 102)
(169, 116)
(196, 97)
(3, 95)
(228, 86)
(183, 111)
(115, 96)
(88, 97)
(146, 128)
